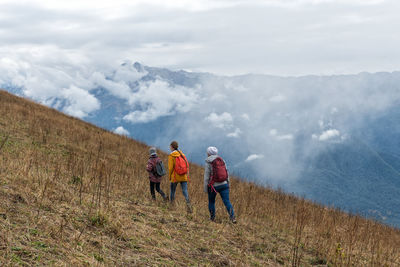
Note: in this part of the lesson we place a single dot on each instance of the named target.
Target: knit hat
(152, 151)
(212, 150)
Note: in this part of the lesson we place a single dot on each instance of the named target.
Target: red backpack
(219, 173)
(181, 166)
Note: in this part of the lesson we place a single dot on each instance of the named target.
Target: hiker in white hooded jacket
(216, 180)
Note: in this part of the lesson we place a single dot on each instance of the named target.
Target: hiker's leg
(185, 191)
(211, 203)
(224, 192)
(172, 191)
(159, 190)
(153, 194)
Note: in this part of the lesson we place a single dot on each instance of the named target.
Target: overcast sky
(281, 37)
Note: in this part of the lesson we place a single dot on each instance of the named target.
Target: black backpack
(159, 169)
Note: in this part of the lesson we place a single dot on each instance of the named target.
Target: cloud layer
(283, 37)
(269, 125)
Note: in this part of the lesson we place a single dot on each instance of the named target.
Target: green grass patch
(39, 245)
(98, 257)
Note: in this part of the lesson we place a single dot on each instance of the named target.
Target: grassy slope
(74, 194)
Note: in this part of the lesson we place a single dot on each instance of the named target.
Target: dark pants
(223, 190)
(153, 194)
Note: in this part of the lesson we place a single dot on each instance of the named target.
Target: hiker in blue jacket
(216, 180)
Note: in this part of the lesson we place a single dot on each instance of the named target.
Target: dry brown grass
(72, 194)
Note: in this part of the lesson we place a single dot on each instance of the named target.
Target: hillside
(72, 194)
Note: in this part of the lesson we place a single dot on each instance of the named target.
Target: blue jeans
(184, 191)
(223, 190)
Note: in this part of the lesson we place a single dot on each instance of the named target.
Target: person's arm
(150, 166)
(227, 171)
(207, 172)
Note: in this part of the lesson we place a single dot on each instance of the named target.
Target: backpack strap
(213, 189)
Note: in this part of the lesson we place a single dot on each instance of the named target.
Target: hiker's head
(174, 145)
(212, 150)
(152, 151)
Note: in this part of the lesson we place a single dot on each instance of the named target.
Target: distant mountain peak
(139, 67)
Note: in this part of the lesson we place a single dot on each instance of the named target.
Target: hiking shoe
(189, 208)
(233, 220)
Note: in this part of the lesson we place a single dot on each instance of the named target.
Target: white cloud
(157, 98)
(118, 89)
(329, 134)
(148, 115)
(274, 132)
(253, 157)
(235, 134)
(62, 85)
(223, 121)
(118, 82)
(121, 130)
(231, 85)
(79, 102)
(245, 116)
